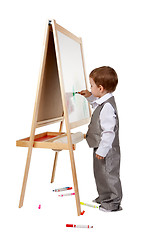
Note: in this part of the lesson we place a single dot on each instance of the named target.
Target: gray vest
(93, 135)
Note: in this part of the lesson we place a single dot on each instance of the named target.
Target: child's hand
(85, 93)
(99, 157)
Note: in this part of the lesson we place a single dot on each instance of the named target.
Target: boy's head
(104, 80)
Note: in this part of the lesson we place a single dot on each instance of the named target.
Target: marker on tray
(88, 205)
(62, 189)
(67, 194)
(78, 226)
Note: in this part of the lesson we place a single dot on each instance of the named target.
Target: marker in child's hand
(84, 93)
(75, 93)
(81, 93)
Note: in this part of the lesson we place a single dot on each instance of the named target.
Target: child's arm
(90, 98)
(107, 122)
(85, 93)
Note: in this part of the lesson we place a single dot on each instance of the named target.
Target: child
(103, 137)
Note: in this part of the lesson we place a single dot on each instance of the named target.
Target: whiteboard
(73, 78)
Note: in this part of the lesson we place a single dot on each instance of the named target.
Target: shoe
(119, 209)
(103, 209)
(95, 201)
(108, 210)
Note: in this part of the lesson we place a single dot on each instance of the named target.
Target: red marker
(67, 194)
(78, 226)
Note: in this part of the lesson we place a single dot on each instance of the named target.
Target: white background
(121, 34)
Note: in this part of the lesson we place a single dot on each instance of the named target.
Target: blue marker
(62, 189)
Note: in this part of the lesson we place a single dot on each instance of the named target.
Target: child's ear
(101, 88)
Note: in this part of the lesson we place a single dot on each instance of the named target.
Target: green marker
(74, 93)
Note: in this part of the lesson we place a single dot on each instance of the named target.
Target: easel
(43, 116)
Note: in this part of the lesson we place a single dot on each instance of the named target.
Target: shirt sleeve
(92, 100)
(107, 121)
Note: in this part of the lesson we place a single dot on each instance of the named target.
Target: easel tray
(46, 140)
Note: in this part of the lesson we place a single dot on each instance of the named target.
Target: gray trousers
(106, 173)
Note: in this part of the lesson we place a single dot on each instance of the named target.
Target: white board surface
(73, 77)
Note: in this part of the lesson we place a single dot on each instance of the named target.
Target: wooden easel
(43, 116)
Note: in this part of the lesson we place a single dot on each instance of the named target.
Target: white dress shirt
(107, 122)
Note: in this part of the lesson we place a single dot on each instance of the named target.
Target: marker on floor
(62, 189)
(78, 226)
(82, 212)
(88, 205)
(67, 194)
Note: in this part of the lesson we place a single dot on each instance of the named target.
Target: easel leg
(75, 182)
(25, 177)
(35, 114)
(56, 156)
(54, 167)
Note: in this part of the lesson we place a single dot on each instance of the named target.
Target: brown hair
(105, 76)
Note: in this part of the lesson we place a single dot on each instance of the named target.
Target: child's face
(96, 91)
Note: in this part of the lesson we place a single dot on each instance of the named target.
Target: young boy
(103, 137)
